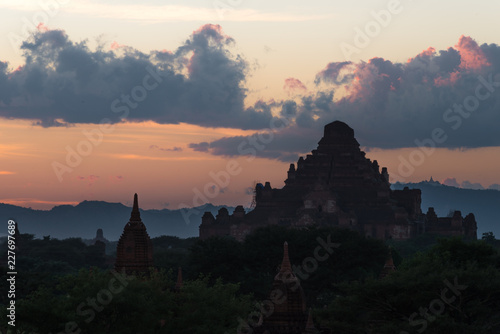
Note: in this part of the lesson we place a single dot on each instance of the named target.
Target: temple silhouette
(288, 313)
(134, 252)
(336, 185)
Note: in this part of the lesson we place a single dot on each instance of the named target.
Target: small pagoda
(289, 315)
(134, 252)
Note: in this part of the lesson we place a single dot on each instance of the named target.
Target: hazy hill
(84, 219)
(484, 204)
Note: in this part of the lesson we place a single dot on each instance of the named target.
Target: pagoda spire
(286, 266)
(134, 251)
(135, 215)
(179, 283)
(285, 273)
(310, 324)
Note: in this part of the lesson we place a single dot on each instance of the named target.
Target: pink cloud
(115, 45)
(452, 182)
(447, 81)
(213, 30)
(429, 52)
(91, 179)
(472, 57)
(42, 27)
(294, 86)
(372, 79)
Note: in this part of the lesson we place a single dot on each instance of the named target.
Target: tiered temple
(337, 185)
(134, 253)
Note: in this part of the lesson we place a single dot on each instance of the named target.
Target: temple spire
(135, 215)
(286, 266)
(310, 324)
(389, 266)
(134, 251)
(179, 284)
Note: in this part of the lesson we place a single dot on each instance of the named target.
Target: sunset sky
(185, 102)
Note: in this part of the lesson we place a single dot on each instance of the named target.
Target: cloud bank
(395, 105)
(64, 82)
(202, 82)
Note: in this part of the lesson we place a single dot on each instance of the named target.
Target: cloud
(200, 147)
(90, 179)
(64, 82)
(285, 145)
(395, 105)
(150, 14)
(202, 82)
(173, 149)
(115, 45)
(294, 86)
(471, 55)
(332, 73)
(452, 182)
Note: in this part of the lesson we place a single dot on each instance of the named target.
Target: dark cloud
(388, 104)
(63, 82)
(173, 149)
(331, 73)
(394, 105)
(200, 147)
(284, 145)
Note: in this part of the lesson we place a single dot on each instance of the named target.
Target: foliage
(96, 301)
(254, 262)
(453, 288)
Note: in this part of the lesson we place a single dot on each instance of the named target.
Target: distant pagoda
(134, 252)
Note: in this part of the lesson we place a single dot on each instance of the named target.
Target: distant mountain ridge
(83, 220)
(484, 204)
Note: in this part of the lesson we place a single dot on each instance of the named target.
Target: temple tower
(290, 315)
(134, 253)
